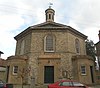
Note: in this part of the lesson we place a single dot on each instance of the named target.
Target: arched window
(49, 16)
(77, 46)
(49, 43)
(22, 47)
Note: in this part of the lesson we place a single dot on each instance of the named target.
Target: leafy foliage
(90, 49)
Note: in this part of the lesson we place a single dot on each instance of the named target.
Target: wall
(27, 44)
(3, 73)
(87, 62)
(97, 76)
(21, 63)
(64, 48)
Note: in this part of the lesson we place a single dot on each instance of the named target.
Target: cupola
(49, 14)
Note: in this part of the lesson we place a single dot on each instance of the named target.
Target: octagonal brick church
(49, 52)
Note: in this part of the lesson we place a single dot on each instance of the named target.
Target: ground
(95, 86)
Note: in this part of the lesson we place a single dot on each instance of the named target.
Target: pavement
(95, 86)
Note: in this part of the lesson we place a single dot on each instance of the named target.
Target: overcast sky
(17, 15)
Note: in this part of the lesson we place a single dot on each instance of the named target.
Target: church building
(48, 52)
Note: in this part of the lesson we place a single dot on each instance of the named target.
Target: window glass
(49, 43)
(49, 16)
(83, 70)
(15, 69)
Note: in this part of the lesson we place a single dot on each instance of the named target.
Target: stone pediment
(49, 24)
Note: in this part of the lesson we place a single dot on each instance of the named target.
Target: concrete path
(96, 86)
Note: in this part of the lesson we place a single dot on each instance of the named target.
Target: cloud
(17, 15)
(8, 25)
(10, 22)
(92, 33)
(85, 15)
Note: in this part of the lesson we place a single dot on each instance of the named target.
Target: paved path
(96, 86)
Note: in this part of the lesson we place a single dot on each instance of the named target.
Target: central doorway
(48, 74)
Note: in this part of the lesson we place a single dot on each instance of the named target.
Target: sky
(17, 15)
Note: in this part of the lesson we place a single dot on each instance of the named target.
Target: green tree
(90, 49)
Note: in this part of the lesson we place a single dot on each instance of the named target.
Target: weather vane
(50, 4)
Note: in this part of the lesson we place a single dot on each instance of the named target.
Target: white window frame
(83, 70)
(15, 70)
(45, 50)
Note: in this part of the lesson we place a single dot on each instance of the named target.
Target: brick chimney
(99, 35)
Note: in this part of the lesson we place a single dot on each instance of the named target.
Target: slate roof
(50, 26)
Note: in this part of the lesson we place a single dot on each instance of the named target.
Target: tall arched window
(49, 43)
(22, 47)
(77, 46)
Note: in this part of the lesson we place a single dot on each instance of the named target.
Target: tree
(23, 72)
(90, 49)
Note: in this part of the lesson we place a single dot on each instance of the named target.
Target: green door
(48, 74)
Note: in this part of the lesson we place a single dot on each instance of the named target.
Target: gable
(49, 24)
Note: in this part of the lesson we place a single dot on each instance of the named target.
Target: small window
(2, 69)
(15, 70)
(52, 17)
(98, 77)
(83, 70)
(49, 16)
